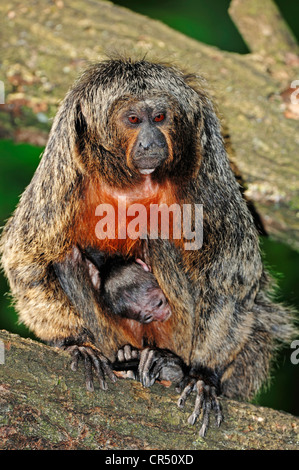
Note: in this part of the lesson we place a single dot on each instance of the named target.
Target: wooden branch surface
(262, 27)
(44, 405)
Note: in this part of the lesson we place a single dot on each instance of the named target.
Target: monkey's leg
(74, 280)
(207, 386)
(160, 364)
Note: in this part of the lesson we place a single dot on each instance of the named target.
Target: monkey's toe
(206, 401)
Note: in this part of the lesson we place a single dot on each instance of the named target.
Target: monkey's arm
(38, 235)
(74, 280)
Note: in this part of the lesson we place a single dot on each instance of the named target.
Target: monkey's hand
(127, 361)
(207, 388)
(93, 361)
(159, 364)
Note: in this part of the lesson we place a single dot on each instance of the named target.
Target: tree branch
(262, 27)
(44, 405)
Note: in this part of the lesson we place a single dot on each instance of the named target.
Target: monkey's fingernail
(103, 385)
(219, 420)
(113, 378)
(181, 403)
(146, 381)
(89, 386)
(202, 431)
(192, 418)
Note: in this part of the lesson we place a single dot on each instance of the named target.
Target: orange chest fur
(98, 202)
(115, 221)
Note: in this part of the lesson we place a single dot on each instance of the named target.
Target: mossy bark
(44, 405)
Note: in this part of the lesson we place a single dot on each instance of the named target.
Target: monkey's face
(136, 118)
(151, 305)
(143, 130)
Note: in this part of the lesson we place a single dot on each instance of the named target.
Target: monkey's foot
(159, 364)
(93, 361)
(206, 400)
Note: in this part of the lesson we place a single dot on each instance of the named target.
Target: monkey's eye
(134, 119)
(159, 117)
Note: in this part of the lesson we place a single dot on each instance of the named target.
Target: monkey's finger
(217, 407)
(145, 353)
(198, 402)
(206, 412)
(107, 368)
(75, 354)
(143, 363)
(135, 354)
(147, 358)
(87, 370)
(99, 372)
(120, 355)
(128, 352)
(186, 392)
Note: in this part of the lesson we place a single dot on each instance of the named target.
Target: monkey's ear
(143, 264)
(93, 274)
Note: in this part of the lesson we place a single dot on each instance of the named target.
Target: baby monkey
(127, 288)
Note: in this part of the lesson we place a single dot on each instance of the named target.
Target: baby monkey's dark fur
(148, 133)
(126, 287)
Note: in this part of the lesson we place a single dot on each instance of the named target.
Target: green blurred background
(208, 22)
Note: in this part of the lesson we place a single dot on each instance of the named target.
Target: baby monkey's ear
(145, 266)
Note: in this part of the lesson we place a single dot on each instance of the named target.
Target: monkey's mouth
(148, 164)
(161, 316)
(146, 172)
